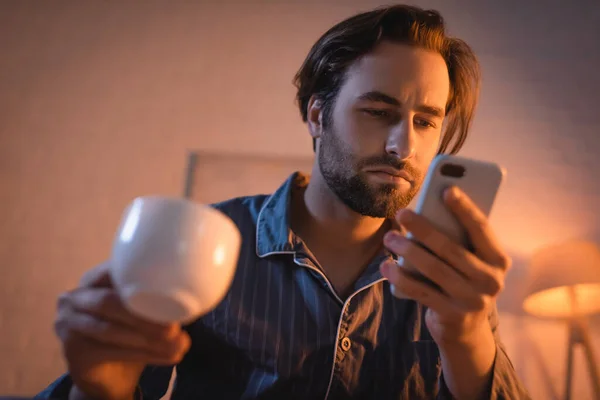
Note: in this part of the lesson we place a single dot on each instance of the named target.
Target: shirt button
(346, 344)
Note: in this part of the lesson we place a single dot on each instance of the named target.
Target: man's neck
(334, 223)
(343, 241)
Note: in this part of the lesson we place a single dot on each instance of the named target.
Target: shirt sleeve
(59, 389)
(153, 384)
(505, 384)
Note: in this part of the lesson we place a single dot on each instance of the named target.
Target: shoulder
(244, 210)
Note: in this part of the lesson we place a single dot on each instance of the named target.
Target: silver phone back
(481, 181)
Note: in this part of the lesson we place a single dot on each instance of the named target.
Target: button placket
(346, 344)
(343, 342)
(340, 354)
(343, 345)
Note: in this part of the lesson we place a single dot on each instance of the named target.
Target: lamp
(564, 283)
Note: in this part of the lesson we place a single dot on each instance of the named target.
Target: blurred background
(101, 101)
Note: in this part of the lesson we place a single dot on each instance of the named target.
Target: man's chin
(394, 202)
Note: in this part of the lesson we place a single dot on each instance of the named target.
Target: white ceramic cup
(173, 260)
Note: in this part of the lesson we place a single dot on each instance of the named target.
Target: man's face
(384, 128)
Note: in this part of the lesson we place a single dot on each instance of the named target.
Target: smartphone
(480, 180)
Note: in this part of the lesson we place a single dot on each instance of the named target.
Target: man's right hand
(105, 346)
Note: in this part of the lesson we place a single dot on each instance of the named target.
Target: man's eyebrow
(381, 97)
(431, 110)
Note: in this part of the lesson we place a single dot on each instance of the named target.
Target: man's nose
(401, 141)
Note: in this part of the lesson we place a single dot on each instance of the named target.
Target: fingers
(111, 334)
(488, 279)
(101, 352)
(98, 276)
(406, 286)
(477, 226)
(104, 303)
(451, 282)
(96, 317)
(467, 281)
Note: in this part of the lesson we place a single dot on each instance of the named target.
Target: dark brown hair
(323, 71)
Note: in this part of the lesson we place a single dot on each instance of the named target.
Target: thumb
(98, 276)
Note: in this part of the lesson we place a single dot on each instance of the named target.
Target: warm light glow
(557, 302)
(564, 280)
(219, 255)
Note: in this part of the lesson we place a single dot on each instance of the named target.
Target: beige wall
(99, 102)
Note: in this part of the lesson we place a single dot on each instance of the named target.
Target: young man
(318, 308)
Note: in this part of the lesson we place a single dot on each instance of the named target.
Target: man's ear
(314, 117)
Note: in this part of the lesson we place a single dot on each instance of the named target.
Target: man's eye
(377, 113)
(424, 123)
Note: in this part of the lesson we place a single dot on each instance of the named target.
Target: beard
(343, 174)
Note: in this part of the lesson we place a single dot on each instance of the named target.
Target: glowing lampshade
(564, 281)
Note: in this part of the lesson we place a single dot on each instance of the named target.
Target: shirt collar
(273, 233)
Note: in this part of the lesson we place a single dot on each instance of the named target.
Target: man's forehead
(397, 69)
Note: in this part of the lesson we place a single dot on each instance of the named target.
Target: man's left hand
(468, 281)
